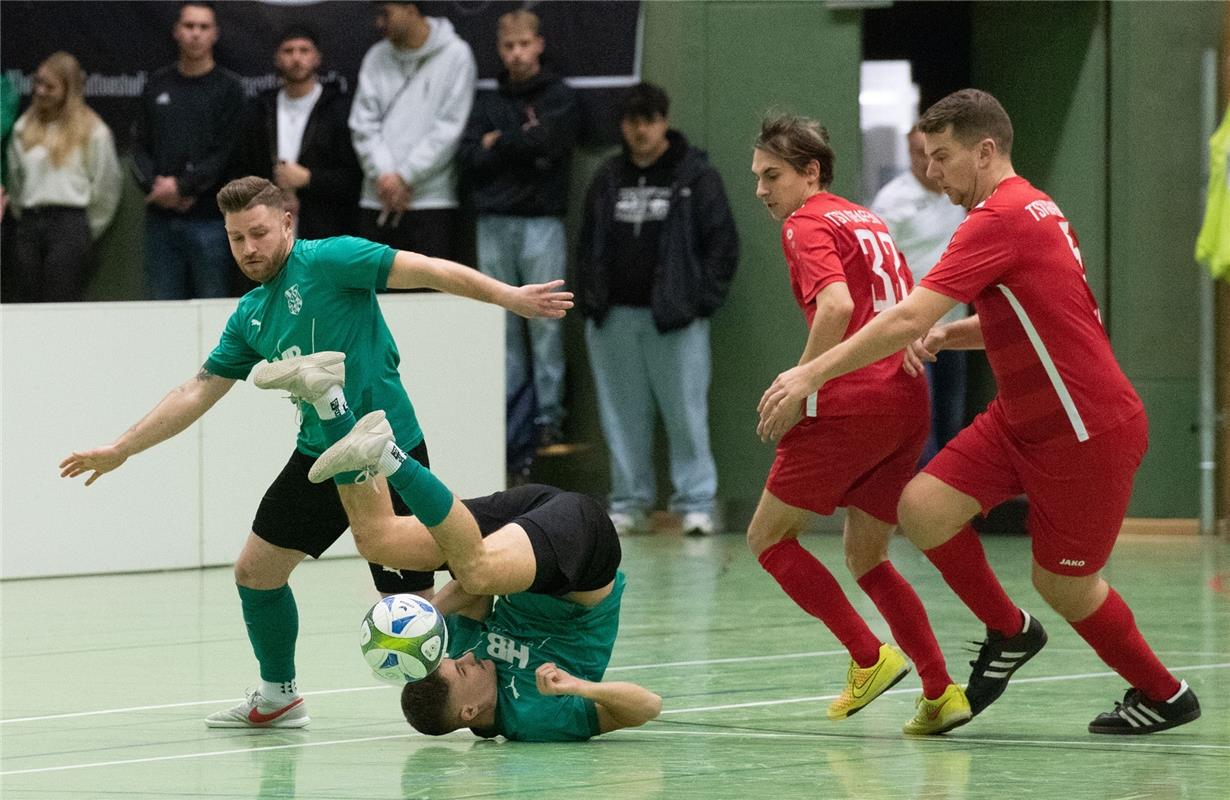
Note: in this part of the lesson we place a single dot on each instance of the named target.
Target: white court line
(966, 739)
(1015, 681)
(693, 733)
(189, 703)
(206, 755)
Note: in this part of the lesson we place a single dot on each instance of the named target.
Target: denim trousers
(186, 258)
(517, 251)
(635, 369)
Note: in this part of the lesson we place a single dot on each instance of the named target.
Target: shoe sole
(278, 371)
(295, 723)
(1190, 716)
(893, 683)
(951, 726)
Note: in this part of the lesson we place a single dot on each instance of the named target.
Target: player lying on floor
(532, 612)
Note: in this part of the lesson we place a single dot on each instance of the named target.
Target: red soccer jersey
(830, 239)
(1017, 259)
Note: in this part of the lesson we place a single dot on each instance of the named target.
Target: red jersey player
(1066, 428)
(855, 444)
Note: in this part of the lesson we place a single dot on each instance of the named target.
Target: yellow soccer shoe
(865, 685)
(933, 717)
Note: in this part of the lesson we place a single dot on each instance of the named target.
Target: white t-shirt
(293, 115)
(921, 222)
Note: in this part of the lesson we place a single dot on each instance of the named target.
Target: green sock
(335, 428)
(428, 498)
(273, 625)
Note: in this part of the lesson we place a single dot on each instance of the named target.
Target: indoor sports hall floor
(106, 679)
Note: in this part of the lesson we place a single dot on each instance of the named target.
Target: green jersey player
(314, 297)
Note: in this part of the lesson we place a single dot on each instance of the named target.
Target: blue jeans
(636, 367)
(520, 250)
(186, 258)
(946, 379)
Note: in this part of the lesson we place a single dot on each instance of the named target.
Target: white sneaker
(256, 712)
(698, 523)
(358, 450)
(305, 377)
(629, 521)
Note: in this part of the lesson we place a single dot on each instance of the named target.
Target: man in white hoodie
(415, 91)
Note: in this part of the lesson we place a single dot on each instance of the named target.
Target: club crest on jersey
(294, 300)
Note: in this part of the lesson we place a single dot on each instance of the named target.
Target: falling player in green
(533, 609)
(314, 296)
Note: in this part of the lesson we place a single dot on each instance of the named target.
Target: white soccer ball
(403, 638)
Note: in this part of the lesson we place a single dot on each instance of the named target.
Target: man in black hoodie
(298, 137)
(657, 253)
(515, 155)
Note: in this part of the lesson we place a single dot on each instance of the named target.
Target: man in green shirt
(532, 612)
(313, 296)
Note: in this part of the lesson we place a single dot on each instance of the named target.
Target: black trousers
(51, 255)
(431, 231)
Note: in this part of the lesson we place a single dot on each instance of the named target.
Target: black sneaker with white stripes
(998, 658)
(1138, 714)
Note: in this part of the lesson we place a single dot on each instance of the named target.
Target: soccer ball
(403, 638)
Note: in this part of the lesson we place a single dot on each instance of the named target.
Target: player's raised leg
(371, 449)
(874, 666)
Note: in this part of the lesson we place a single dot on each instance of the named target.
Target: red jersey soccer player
(1066, 428)
(860, 442)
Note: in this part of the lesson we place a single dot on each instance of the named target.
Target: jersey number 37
(891, 285)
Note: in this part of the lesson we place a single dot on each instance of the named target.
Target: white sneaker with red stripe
(256, 712)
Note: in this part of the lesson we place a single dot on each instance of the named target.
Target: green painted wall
(1156, 204)
(1104, 99)
(724, 65)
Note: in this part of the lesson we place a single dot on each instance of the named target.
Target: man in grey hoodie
(416, 87)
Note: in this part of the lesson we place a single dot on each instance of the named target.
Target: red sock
(963, 564)
(1112, 633)
(907, 619)
(817, 592)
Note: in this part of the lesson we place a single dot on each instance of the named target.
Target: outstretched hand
(101, 460)
(552, 680)
(781, 404)
(540, 300)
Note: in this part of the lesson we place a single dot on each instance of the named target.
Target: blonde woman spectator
(64, 184)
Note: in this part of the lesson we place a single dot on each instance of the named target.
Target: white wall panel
(78, 375)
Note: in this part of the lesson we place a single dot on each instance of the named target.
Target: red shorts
(1078, 491)
(864, 462)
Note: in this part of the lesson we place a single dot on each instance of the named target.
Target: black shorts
(575, 545)
(309, 517)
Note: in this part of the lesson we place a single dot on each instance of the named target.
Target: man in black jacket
(183, 138)
(657, 253)
(297, 136)
(515, 156)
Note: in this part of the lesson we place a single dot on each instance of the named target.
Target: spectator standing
(64, 183)
(416, 88)
(922, 220)
(182, 144)
(298, 137)
(658, 249)
(516, 154)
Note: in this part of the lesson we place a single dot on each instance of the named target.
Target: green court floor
(106, 680)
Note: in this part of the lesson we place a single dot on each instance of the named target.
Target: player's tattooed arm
(181, 407)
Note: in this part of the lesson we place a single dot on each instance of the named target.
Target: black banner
(595, 45)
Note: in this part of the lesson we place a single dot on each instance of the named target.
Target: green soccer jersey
(526, 630)
(324, 298)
